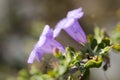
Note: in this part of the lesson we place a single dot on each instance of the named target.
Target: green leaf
(105, 51)
(94, 63)
(100, 46)
(99, 34)
(34, 71)
(62, 69)
(115, 34)
(70, 50)
(70, 78)
(23, 73)
(79, 55)
(36, 77)
(93, 44)
(46, 77)
(106, 41)
(89, 38)
(116, 46)
(70, 54)
(85, 75)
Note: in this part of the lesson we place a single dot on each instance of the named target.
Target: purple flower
(76, 13)
(45, 44)
(71, 25)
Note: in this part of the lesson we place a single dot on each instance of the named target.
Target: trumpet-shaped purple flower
(71, 25)
(45, 44)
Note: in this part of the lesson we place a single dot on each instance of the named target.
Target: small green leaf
(69, 78)
(100, 46)
(23, 73)
(89, 38)
(93, 44)
(116, 46)
(115, 34)
(70, 53)
(94, 63)
(105, 51)
(34, 71)
(46, 77)
(51, 73)
(62, 69)
(79, 55)
(70, 50)
(99, 34)
(106, 41)
(85, 75)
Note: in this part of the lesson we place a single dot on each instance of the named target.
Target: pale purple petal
(47, 48)
(76, 13)
(62, 24)
(47, 32)
(69, 22)
(39, 54)
(36, 53)
(59, 26)
(76, 32)
(51, 44)
(31, 57)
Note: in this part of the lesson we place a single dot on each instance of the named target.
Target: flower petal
(76, 32)
(45, 44)
(39, 54)
(31, 57)
(76, 13)
(69, 22)
(59, 26)
(47, 32)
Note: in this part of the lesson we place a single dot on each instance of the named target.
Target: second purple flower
(71, 25)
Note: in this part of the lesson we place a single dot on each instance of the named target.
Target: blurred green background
(22, 21)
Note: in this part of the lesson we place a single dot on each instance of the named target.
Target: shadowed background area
(22, 21)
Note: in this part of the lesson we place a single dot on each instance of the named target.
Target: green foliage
(116, 46)
(99, 34)
(94, 63)
(76, 65)
(93, 44)
(115, 34)
(115, 37)
(23, 75)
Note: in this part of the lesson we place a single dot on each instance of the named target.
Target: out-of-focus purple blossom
(45, 44)
(71, 25)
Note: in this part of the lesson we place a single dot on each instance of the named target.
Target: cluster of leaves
(115, 36)
(75, 65)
